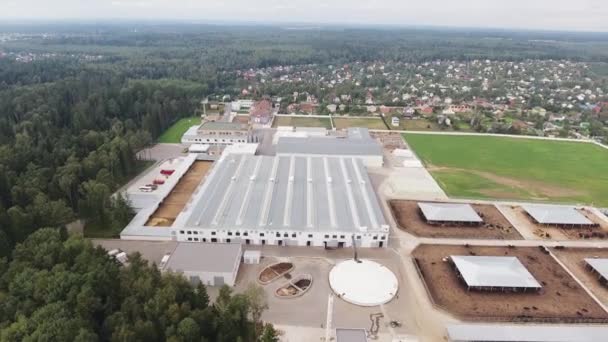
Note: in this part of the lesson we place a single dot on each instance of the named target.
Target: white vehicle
(122, 257)
(146, 188)
(114, 252)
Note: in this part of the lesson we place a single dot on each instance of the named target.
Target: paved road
(161, 152)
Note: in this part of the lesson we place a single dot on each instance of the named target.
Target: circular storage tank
(364, 283)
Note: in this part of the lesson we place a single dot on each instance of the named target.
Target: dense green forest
(73, 117)
(62, 289)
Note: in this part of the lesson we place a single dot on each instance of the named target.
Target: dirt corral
(561, 299)
(600, 231)
(274, 271)
(174, 203)
(574, 260)
(495, 226)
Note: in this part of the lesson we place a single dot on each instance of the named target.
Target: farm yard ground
(561, 299)
(389, 140)
(573, 259)
(173, 204)
(300, 121)
(496, 226)
(515, 168)
(310, 310)
(371, 123)
(523, 221)
(173, 135)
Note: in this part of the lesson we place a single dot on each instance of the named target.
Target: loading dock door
(218, 281)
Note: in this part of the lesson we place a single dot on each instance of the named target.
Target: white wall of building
(284, 238)
(202, 139)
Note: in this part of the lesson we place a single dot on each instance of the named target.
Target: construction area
(560, 298)
(494, 225)
(172, 205)
(589, 225)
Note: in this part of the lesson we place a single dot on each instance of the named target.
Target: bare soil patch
(574, 260)
(389, 141)
(496, 226)
(174, 203)
(561, 299)
(565, 233)
(274, 272)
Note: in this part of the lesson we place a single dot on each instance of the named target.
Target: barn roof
(449, 212)
(526, 333)
(494, 271)
(554, 214)
(599, 265)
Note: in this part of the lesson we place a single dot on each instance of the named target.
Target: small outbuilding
(494, 273)
(555, 215)
(252, 257)
(213, 264)
(449, 213)
(598, 267)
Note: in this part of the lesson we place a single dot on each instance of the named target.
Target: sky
(562, 15)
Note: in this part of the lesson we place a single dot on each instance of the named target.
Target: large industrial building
(288, 199)
(525, 333)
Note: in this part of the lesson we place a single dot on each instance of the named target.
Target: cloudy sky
(585, 15)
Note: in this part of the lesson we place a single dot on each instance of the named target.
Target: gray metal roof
(449, 212)
(357, 142)
(287, 193)
(204, 257)
(526, 333)
(494, 271)
(554, 214)
(223, 126)
(350, 335)
(599, 265)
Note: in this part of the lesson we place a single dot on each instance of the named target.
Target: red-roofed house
(261, 112)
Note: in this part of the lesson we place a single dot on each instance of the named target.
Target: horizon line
(280, 24)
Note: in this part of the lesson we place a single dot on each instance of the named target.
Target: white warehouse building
(285, 200)
(281, 200)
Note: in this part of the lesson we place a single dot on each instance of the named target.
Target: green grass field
(173, 135)
(513, 168)
(299, 121)
(371, 123)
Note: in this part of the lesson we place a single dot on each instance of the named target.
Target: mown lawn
(513, 168)
(371, 123)
(299, 121)
(173, 135)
